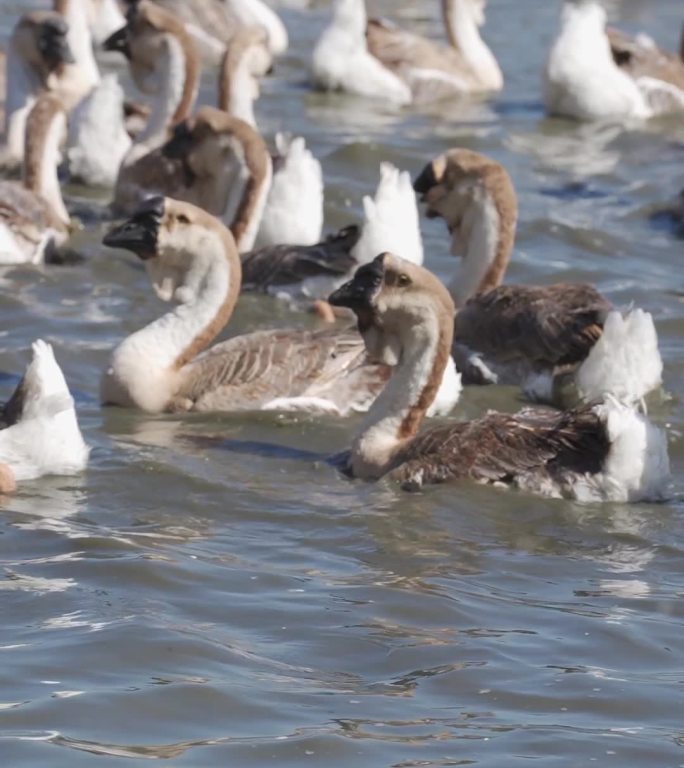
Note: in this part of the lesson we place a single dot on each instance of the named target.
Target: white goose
(192, 260)
(39, 433)
(33, 218)
(541, 337)
(379, 59)
(583, 80)
(605, 452)
(37, 54)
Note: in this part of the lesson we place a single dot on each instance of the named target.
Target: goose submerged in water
(192, 260)
(33, 218)
(587, 79)
(599, 452)
(39, 433)
(37, 55)
(541, 337)
(378, 59)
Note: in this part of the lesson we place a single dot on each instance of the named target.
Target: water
(201, 598)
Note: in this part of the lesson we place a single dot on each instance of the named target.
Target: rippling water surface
(204, 597)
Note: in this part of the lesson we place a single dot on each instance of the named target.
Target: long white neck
(169, 92)
(147, 361)
(241, 94)
(350, 16)
(79, 78)
(42, 158)
(396, 413)
(22, 85)
(464, 33)
(477, 241)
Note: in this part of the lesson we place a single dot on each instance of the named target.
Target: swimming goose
(378, 59)
(33, 218)
(583, 79)
(213, 23)
(164, 63)
(192, 260)
(606, 452)
(543, 337)
(37, 54)
(39, 432)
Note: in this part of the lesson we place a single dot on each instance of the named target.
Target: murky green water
(212, 602)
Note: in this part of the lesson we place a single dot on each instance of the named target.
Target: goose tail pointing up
(391, 220)
(625, 362)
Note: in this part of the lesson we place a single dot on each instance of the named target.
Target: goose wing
(641, 59)
(152, 174)
(252, 371)
(549, 325)
(539, 445)
(282, 265)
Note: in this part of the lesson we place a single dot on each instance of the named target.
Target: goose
(39, 433)
(378, 59)
(231, 173)
(37, 54)
(543, 337)
(191, 259)
(164, 63)
(33, 217)
(585, 79)
(596, 452)
(213, 23)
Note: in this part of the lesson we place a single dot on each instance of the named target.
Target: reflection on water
(212, 592)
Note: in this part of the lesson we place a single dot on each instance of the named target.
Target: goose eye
(403, 280)
(183, 219)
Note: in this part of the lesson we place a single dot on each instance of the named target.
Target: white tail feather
(637, 467)
(294, 210)
(625, 362)
(391, 221)
(448, 393)
(46, 439)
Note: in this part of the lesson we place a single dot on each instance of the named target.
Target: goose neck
(45, 130)
(79, 78)
(397, 413)
(237, 90)
(463, 33)
(22, 83)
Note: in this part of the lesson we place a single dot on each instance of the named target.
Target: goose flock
(212, 211)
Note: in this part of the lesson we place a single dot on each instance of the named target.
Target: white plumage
(294, 209)
(46, 440)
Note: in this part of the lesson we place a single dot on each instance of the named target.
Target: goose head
(396, 302)
(40, 39)
(177, 241)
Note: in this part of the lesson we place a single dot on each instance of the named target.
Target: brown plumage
(529, 449)
(640, 60)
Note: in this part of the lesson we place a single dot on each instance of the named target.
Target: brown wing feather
(152, 174)
(645, 61)
(499, 447)
(281, 265)
(248, 371)
(549, 326)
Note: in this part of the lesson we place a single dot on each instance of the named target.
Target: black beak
(426, 180)
(180, 143)
(53, 43)
(118, 41)
(359, 293)
(139, 233)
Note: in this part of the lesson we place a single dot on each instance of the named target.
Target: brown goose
(642, 58)
(33, 217)
(163, 62)
(168, 366)
(37, 55)
(542, 337)
(406, 317)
